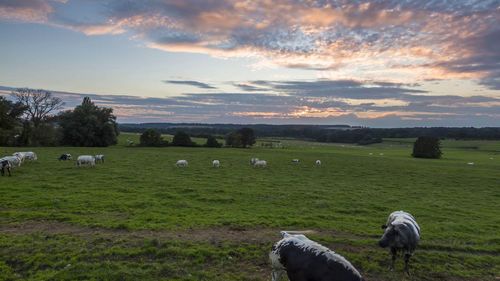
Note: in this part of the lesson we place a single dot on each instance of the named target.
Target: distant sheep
(471, 163)
(260, 163)
(87, 160)
(318, 162)
(181, 163)
(14, 161)
(20, 155)
(26, 155)
(99, 158)
(216, 163)
(295, 161)
(5, 167)
(65, 157)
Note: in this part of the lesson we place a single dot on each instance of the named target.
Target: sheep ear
(384, 226)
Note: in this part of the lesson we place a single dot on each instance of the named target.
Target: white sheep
(318, 162)
(181, 163)
(15, 161)
(88, 160)
(99, 158)
(216, 163)
(260, 163)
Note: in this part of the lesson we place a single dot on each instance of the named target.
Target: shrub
(152, 137)
(182, 139)
(427, 147)
(212, 142)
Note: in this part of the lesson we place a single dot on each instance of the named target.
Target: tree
(182, 139)
(10, 121)
(212, 142)
(39, 104)
(242, 138)
(152, 137)
(247, 136)
(233, 139)
(427, 147)
(88, 125)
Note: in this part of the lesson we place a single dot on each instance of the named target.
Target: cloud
(197, 84)
(406, 41)
(368, 103)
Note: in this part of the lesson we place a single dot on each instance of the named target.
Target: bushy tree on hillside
(10, 121)
(152, 137)
(88, 125)
(40, 107)
(182, 139)
(244, 137)
(212, 142)
(427, 147)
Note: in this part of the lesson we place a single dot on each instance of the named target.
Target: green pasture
(138, 217)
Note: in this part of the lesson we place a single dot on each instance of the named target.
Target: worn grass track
(137, 217)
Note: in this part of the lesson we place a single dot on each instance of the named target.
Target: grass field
(137, 217)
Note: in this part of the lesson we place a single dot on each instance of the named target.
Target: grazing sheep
(401, 234)
(181, 163)
(260, 163)
(14, 161)
(216, 163)
(26, 155)
(88, 160)
(130, 142)
(20, 155)
(65, 157)
(295, 161)
(471, 163)
(305, 260)
(318, 162)
(5, 166)
(381, 154)
(253, 160)
(99, 158)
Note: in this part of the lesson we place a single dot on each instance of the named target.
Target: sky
(380, 63)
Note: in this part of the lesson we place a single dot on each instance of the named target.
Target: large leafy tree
(88, 125)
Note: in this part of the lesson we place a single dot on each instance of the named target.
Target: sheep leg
(407, 261)
(394, 253)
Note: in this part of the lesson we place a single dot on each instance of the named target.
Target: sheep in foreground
(181, 163)
(305, 260)
(401, 234)
(87, 160)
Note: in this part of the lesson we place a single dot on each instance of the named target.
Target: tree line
(241, 138)
(322, 133)
(33, 118)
